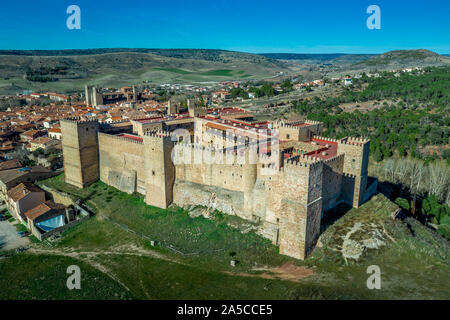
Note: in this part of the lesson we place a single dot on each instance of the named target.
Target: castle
(281, 174)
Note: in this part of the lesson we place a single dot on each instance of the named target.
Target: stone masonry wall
(122, 163)
(332, 181)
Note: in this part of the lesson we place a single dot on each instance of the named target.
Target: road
(9, 238)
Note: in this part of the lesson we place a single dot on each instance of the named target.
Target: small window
(87, 129)
(153, 172)
(353, 160)
(288, 136)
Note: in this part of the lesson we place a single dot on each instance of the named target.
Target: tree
(402, 203)
(439, 179)
(416, 170)
(286, 86)
(268, 90)
(38, 152)
(432, 208)
(377, 155)
(238, 92)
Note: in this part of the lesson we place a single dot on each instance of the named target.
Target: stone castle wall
(122, 163)
(332, 181)
(288, 200)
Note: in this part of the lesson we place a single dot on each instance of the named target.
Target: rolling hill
(69, 70)
(404, 58)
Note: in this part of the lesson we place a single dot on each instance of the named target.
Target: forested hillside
(409, 130)
(416, 116)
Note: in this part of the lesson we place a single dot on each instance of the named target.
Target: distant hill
(403, 58)
(352, 58)
(396, 58)
(302, 56)
(335, 58)
(198, 54)
(69, 70)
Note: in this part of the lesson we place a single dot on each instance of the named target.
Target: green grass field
(223, 73)
(203, 239)
(31, 277)
(119, 79)
(412, 266)
(173, 70)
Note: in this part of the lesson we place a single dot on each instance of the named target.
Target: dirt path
(89, 257)
(287, 272)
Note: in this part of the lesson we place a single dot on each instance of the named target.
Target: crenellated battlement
(299, 162)
(157, 134)
(334, 159)
(313, 122)
(188, 152)
(117, 121)
(78, 120)
(325, 139)
(354, 141)
(120, 138)
(294, 124)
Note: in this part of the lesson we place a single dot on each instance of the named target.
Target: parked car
(19, 250)
(21, 234)
(2, 217)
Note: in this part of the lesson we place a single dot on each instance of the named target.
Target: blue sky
(253, 26)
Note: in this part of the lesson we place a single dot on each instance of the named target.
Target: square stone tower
(356, 161)
(80, 151)
(159, 169)
(301, 207)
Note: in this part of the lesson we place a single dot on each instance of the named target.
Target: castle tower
(172, 108)
(87, 94)
(301, 208)
(159, 169)
(97, 97)
(356, 161)
(80, 151)
(92, 96)
(298, 130)
(192, 105)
